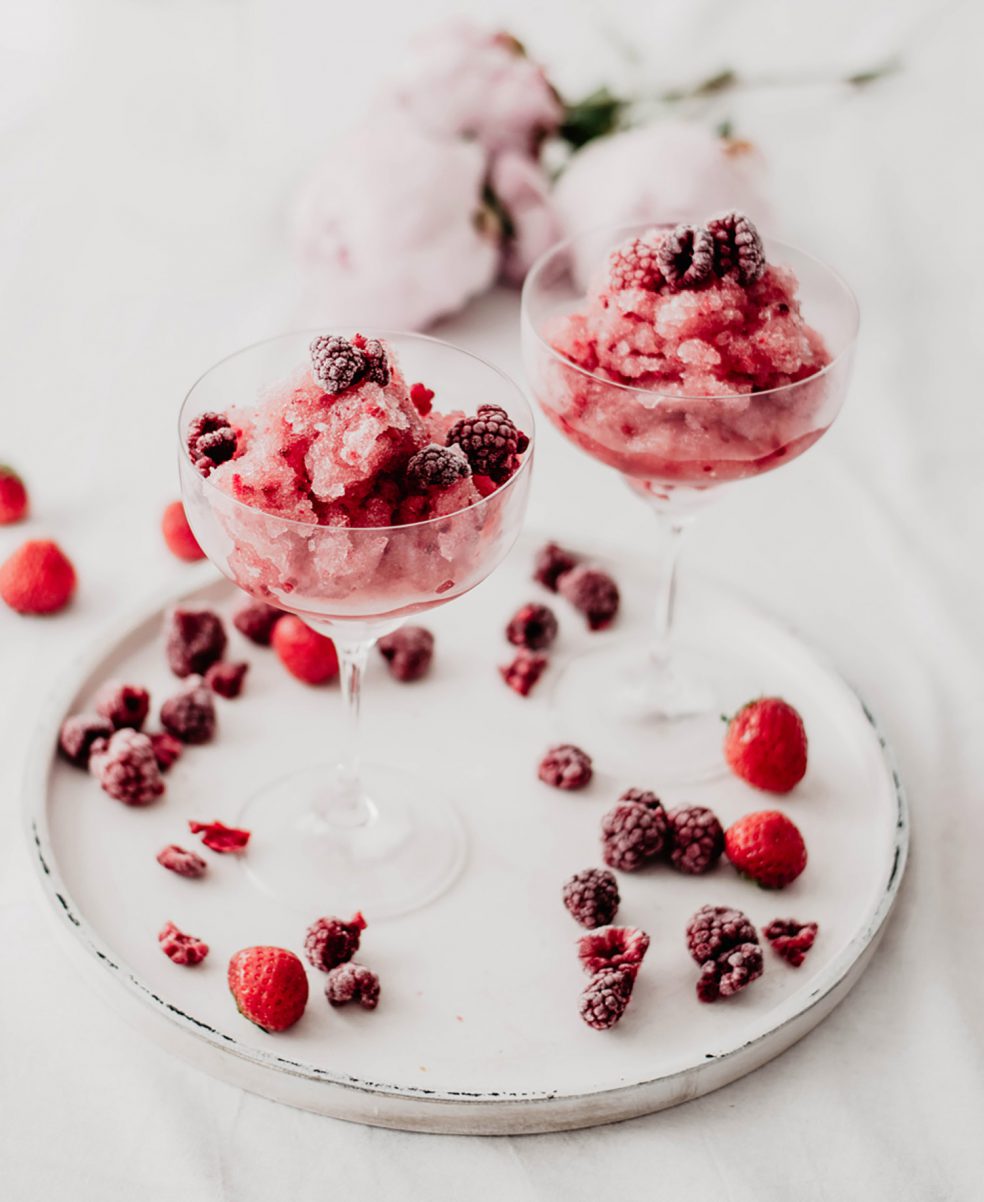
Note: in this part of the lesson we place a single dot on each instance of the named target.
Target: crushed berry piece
(352, 983)
(330, 941)
(533, 627)
(422, 398)
(592, 897)
(490, 440)
(126, 768)
(612, 947)
(791, 939)
(194, 639)
(484, 485)
(221, 838)
(181, 948)
(190, 714)
(184, 863)
(123, 704)
(696, 839)
(686, 256)
(635, 265)
(408, 652)
(632, 834)
(437, 467)
(377, 369)
(78, 734)
(522, 673)
(167, 749)
(551, 562)
(593, 592)
(606, 997)
(211, 441)
(256, 620)
(738, 248)
(716, 929)
(566, 767)
(226, 678)
(337, 363)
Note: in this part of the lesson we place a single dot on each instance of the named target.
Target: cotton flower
(463, 80)
(392, 225)
(522, 190)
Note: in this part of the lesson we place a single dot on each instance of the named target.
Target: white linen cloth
(146, 153)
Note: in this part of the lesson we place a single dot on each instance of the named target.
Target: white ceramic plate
(478, 1030)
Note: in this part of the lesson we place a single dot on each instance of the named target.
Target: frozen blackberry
(591, 591)
(551, 562)
(167, 749)
(337, 363)
(194, 639)
(123, 704)
(592, 897)
(256, 620)
(330, 941)
(791, 939)
(77, 735)
(533, 627)
(408, 652)
(714, 930)
(437, 467)
(606, 996)
(184, 863)
(612, 947)
(635, 265)
(377, 369)
(738, 248)
(352, 983)
(190, 714)
(226, 678)
(696, 839)
(633, 835)
(126, 768)
(211, 441)
(490, 440)
(523, 671)
(730, 972)
(686, 256)
(566, 767)
(181, 948)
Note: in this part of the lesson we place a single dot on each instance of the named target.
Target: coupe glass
(350, 834)
(676, 453)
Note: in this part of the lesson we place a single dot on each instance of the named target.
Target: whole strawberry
(305, 654)
(38, 578)
(178, 534)
(766, 745)
(269, 986)
(766, 846)
(13, 496)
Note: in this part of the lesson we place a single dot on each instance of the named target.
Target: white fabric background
(146, 154)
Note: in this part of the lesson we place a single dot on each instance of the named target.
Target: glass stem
(671, 528)
(347, 804)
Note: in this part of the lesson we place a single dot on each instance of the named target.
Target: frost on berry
(566, 767)
(437, 467)
(686, 256)
(791, 939)
(696, 839)
(612, 947)
(126, 768)
(190, 714)
(352, 983)
(522, 673)
(181, 948)
(78, 734)
(591, 591)
(184, 863)
(219, 837)
(408, 652)
(332, 941)
(606, 997)
(724, 943)
(738, 248)
(532, 626)
(490, 440)
(633, 834)
(634, 264)
(337, 363)
(194, 639)
(377, 368)
(592, 897)
(211, 441)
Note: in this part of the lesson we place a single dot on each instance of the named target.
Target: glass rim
(382, 335)
(627, 229)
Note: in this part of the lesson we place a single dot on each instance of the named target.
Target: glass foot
(409, 851)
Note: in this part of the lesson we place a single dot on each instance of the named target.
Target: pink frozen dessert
(689, 362)
(352, 495)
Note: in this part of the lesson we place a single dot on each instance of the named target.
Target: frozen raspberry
(634, 265)
(167, 749)
(226, 678)
(606, 996)
(422, 398)
(377, 369)
(642, 797)
(352, 983)
(696, 839)
(181, 948)
(330, 941)
(490, 440)
(255, 621)
(791, 939)
(220, 838)
(591, 591)
(551, 562)
(38, 578)
(437, 467)
(592, 897)
(533, 627)
(633, 834)
(738, 248)
(523, 671)
(78, 733)
(686, 256)
(408, 652)
(730, 972)
(193, 640)
(13, 496)
(126, 768)
(714, 930)
(178, 535)
(337, 363)
(190, 714)
(211, 441)
(184, 863)
(566, 767)
(612, 947)
(123, 704)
